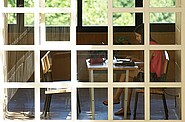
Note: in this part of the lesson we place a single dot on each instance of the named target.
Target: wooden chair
(46, 63)
(156, 91)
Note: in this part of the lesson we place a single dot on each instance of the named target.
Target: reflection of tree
(123, 3)
(162, 3)
(162, 17)
(94, 12)
(97, 11)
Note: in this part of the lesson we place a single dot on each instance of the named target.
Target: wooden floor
(22, 103)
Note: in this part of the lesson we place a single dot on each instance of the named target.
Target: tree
(95, 12)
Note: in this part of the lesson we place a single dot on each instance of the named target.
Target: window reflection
(57, 26)
(169, 68)
(129, 58)
(20, 103)
(162, 3)
(60, 65)
(20, 66)
(165, 103)
(92, 61)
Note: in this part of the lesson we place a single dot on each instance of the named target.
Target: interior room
(92, 60)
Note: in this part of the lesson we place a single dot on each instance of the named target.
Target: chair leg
(46, 105)
(78, 104)
(49, 102)
(135, 105)
(165, 106)
(44, 113)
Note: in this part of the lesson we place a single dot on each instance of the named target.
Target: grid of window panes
(95, 14)
(69, 62)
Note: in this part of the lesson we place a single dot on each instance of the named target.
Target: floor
(22, 103)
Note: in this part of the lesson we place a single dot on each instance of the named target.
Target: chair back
(166, 61)
(46, 66)
(45, 62)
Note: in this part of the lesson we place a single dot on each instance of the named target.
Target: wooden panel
(61, 68)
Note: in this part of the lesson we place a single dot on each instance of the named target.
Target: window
(123, 19)
(162, 17)
(54, 30)
(11, 16)
(94, 13)
(57, 3)
(162, 3)
(123, 4)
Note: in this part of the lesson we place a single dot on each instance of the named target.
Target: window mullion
(146, 60)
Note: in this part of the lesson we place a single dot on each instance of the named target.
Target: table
(102, 67)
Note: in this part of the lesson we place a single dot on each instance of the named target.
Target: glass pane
(164, 17)
(127, 36)
(165, 103)
(28, 3)
(12, 18)
(123, 19)
(11, 3)
(87, 102)
(92, 38)
(17, 33)
(58, 19)
(92, 61)
(162, 3)
(60, 65)
(124, 4)
(20, 66)
(28, 19)
(167, 67)
(60, 104)
(57, 3)
(58, 27)
(94, 12)
(134, 103)
(20, 103)
(129, 60)
(169, 32)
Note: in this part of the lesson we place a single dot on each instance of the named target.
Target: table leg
(126, 95)
(91, 79)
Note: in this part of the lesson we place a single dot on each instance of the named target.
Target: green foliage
(57, 3)
(95, 12)
(123, 3)
(29, 19)
(123, 19)
(11, 18)
(162, 17)
(28, 3)
(162, 3)
(11, 3)
(62, 19)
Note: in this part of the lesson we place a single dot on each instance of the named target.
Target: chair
(158, 91)
(46, 63)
